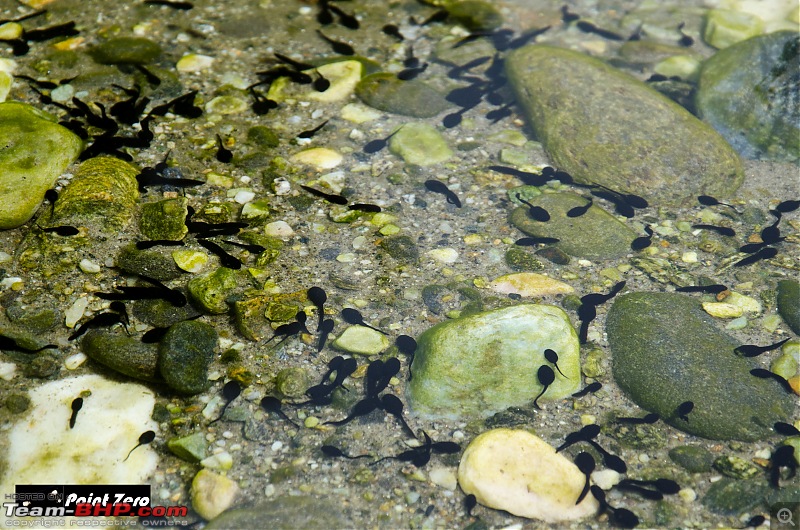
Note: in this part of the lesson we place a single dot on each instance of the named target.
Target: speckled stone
(184, 355)
(164, 219)
(604, 126)
(666, 350)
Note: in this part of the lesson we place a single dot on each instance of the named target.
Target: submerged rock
(184, 355)
(666, 351)
(789, 303)
(386, 92)
(606, 127)
(516, 471)
(164, 219)
(126, 50)
(35, 152)
(419, 144)
(122, 353)
(749, 92)
(212, 494)
(596, 235)
(480, 364)
(287, 512)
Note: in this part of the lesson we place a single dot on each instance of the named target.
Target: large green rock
(750, 93)
(595, 235)
(789, 303)
(666, 350)
(103, 193)
(35, 152)
(184, 355)
(603, 126)
(385, 92)
(480, 364)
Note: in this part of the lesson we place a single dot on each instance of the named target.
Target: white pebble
(278, 229)
(4, 257)
(282, 186)
(74, 361)
(8, 282)
(75, 312)
(606, 479)
(689, 257)
(687, 495)
(277, 446)
(444, 255)
(244, 196)
(7, 371)
(194, 62)
(443, 477)
(89, 267)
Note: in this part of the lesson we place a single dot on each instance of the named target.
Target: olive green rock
(475, 15)
(401, 248)
(287, 512)
(789, 303)
(209, 292)
(292, 382)
(483, 363)
(733, 497)
(666, 350)
(150, 263)
(36, 150)
(191, 448)
(604, 126)
(415, 98)
(126, 50)
(692, 458)
(184, 355)
(749, 92)
(164, 219)
(103, 193)
(420, 144)
(595, 235)
(122, 353)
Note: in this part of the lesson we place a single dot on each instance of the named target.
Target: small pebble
(278, 229)
(7, 371)
(75, 312)
(194, 62)
(89, 267)
(74, 361)
(606, 478)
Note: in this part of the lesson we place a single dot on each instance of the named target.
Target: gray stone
(692, 458)
(666, 350)
(789, 303)
(184, 355)
(385, 92)
(35, 152)
(285, 513)
(150, 263)
(480, 364)
(734, 497)
(595, 235)
(604, 126)
(750, 93)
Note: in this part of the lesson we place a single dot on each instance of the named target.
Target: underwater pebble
(75, 311)
(443, 255)
(74, 361)
(212, 494)
(529, 284)
(194, 62)
(606, 478)
(89, 267)
(7, 371)
(722, 310)
(516, 471)
(220, 461)
(361, 340)
(278, 229)
(319, 157)
(190, 260)
(444, 477)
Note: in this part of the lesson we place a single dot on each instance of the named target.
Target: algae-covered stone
(479, 364)
(35, 152)
(292, 382)
(735, 467)
(415, 98)
(104, 190)
(161, 313)
(165, 219)
(516, 471)
(191, 448)
(475, 15)
(212, 494)
(419, 144)
(123, 354)
(210, 291)
(724, 27)
(126, 50)
(401, 248)
(603, 126)
(789, 303)
(184, 355)
(749, 92)
(150, 263)
(733, 497)
(522, 260)
(666, 350)
(692, 458)
(287, 512)
(263, 136)
(596, 235)
(361, 340)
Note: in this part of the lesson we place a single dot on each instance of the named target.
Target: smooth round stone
(606, 127)
(184, 355)
(666, 350)
(212, 494)
(126, 50)
(516, 471)
(595, 235)
(529, 284)
(384, 91)
(123, 354)
(287, 512)
(35, 152)
(483, 363)
(789, 303)
(420, 144)
(749, 93)
(361, 340)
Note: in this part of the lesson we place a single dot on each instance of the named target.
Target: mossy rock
(126, 50)
(165, 219)
(185, 354)
(789, 303)
(386, 92)
(122, 354)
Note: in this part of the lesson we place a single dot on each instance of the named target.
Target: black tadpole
(684, 409)
(324, 330)
(437, 186)
(647, 419)
(273, 404)
(230, 391)
(77, 403)
(552, 358)
(751, 350)
(786, 429)
(586, 464)
(223, 155)
(334, 452)
(342, 48)
(144, 439)
(577, 211)
(470, 501)
(761, 373)
(311, 132)
(352, 316)
(537, 213)
(374, 146)
(588, 389)
(546, 376)
(318, 297)
(392, 404)
(643, 242)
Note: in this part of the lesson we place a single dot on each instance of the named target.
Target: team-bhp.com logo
(86, 501)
